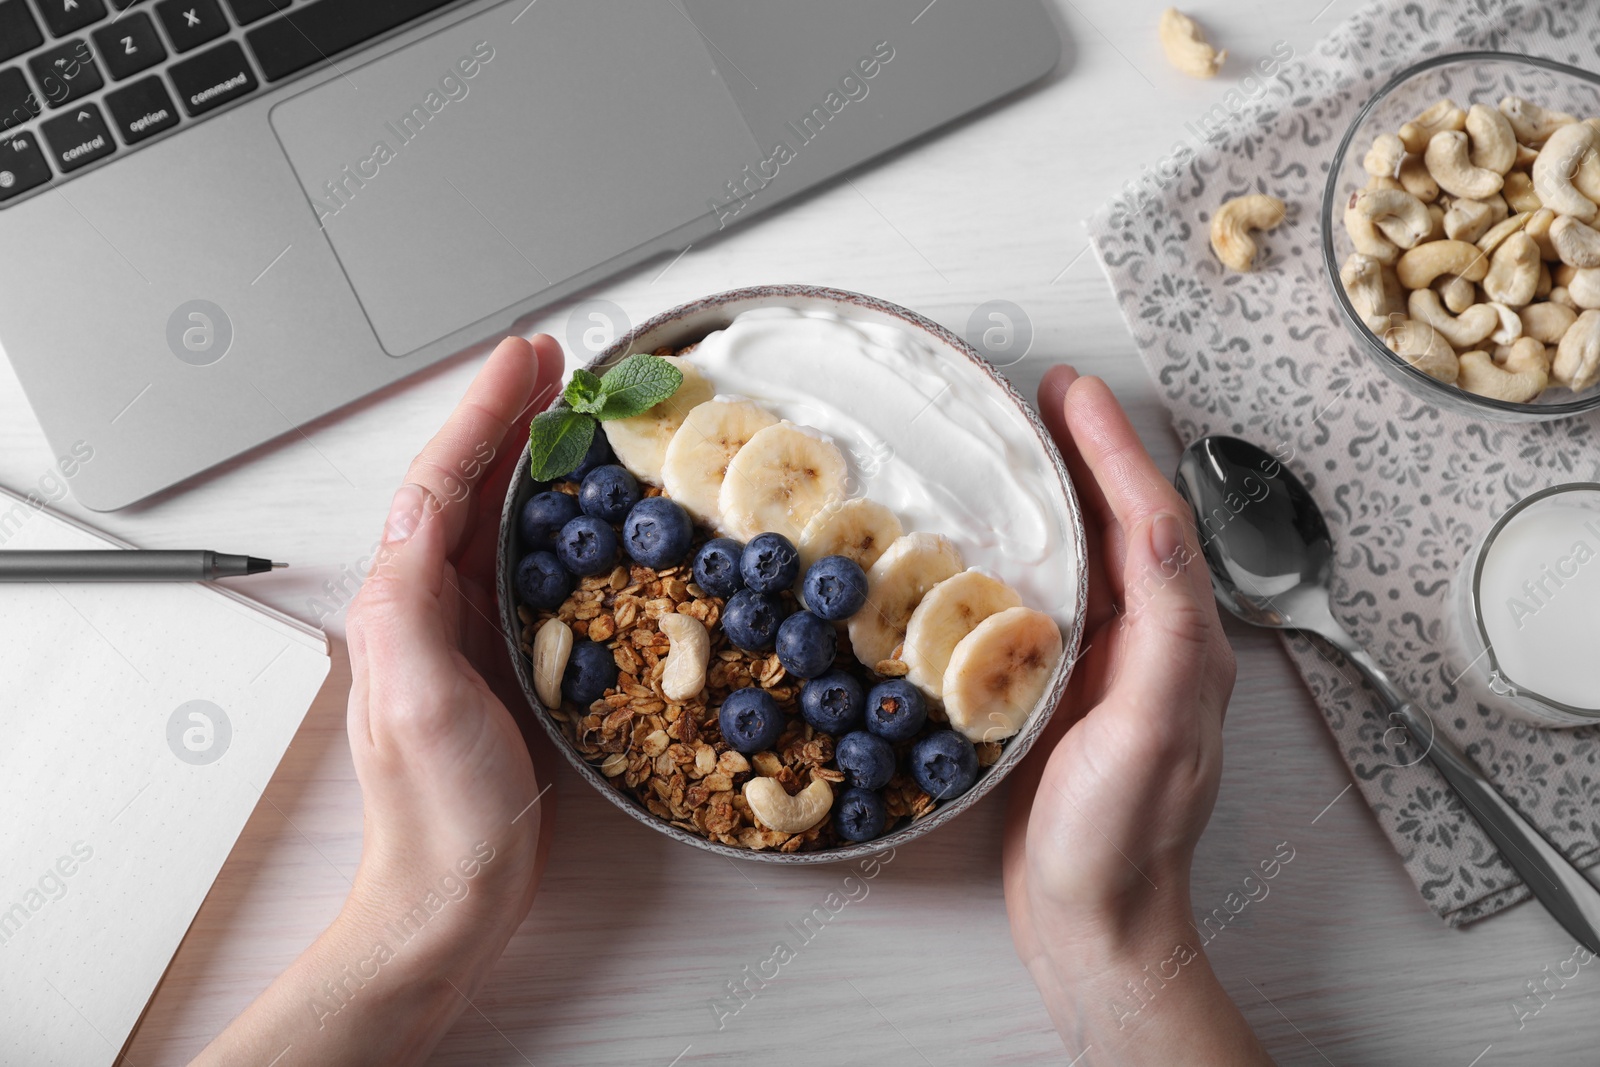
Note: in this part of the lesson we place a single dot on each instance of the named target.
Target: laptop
(221, 219)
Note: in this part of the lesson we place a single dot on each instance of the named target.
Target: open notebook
(138, 725)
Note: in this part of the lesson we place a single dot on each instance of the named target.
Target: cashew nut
(1564, 274)
(1542, 290)
(1518, 192)
(1513, 272)
(1546, 322)
(1383, 158)
(1562, 298)
(1509, 327)
(1584, 288)
(1525, 157)
(1458, 294)
(1421, 346)
(1524, 376)
(1187, 48)
(1565, 159)
(552, 644)
(684, 675)
(1577, 363)
(1538, 227)
(1441, 116)
(1473, 326)
(1420, 266)
(1380, 221)
(1369, 295)
(1503, 229)
(1468, 220)
(787, 814)
(1447, 160)
(1383, 181)
(1577, 245)
(1531, 123)
(1494, 143)
(1415, 179)
(1231, 226)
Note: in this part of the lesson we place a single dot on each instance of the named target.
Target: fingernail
(405, 512)
(1166, 540)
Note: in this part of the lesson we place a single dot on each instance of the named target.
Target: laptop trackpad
(509, 152)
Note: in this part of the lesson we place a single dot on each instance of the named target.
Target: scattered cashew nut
(1563, 159)
(1448, 162)
(1524, 376)
(1513, 272)
(1474, 325)
(684, 675)
(1546, 322)
(551, 647)
(787, 814)
(1577, 245)
(1231, 226)
(1186, 46)
(1420, 266)
(1422, 346)
(1532, 124)
(1577, 363)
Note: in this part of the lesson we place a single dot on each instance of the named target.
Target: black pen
(130, 565)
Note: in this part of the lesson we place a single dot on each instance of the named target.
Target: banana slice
(911, 566)
(641, 442)
(950, 611)
(859, 528)
(780, 478)
(998, 672)
(699, 453)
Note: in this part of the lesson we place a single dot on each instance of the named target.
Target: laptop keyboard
(83, 80)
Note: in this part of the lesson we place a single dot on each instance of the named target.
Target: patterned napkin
(1407, 489)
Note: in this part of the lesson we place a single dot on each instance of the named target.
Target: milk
(1539, 597)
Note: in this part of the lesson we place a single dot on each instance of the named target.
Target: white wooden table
(633, 935)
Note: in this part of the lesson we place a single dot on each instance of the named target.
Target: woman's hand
(456, 820)
(1106, 810)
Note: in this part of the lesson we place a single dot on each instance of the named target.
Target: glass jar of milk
(1528, 607)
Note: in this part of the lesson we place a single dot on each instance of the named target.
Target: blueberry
(750, 720)
(542, 581)
(859, 815)
(542, 518)
(944, 764)
(587, 546)
(832, 702)
(806, 645)
(716, 567)
(866, 759)
(835, 587)
(770, 563)
(751, 619)
(599, 455)
(657, 532)
(609, 492)
(591, 670)
(896, 710)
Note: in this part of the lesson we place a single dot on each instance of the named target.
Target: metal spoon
(1270, 555)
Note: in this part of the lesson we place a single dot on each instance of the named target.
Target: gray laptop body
(183, 300)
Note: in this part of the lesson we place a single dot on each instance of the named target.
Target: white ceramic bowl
(687, 324)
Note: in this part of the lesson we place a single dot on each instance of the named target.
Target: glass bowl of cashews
(1461, 233)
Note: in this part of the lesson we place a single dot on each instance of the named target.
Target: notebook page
(139, 724)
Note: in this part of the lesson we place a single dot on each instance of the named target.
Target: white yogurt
(925, 433)
(1539, 595)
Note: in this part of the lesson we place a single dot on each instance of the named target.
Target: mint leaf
(636, 385)
(585, 392)
(558, 440)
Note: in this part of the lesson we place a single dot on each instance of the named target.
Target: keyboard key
(66, 72)
(248, 11)
(78, 138)
(18, 32)
(22, 165)
(17, 102)
(319, 31)
(212, 78)
(70, 16)
(142, 109)
(129, 45)
(191, 23)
